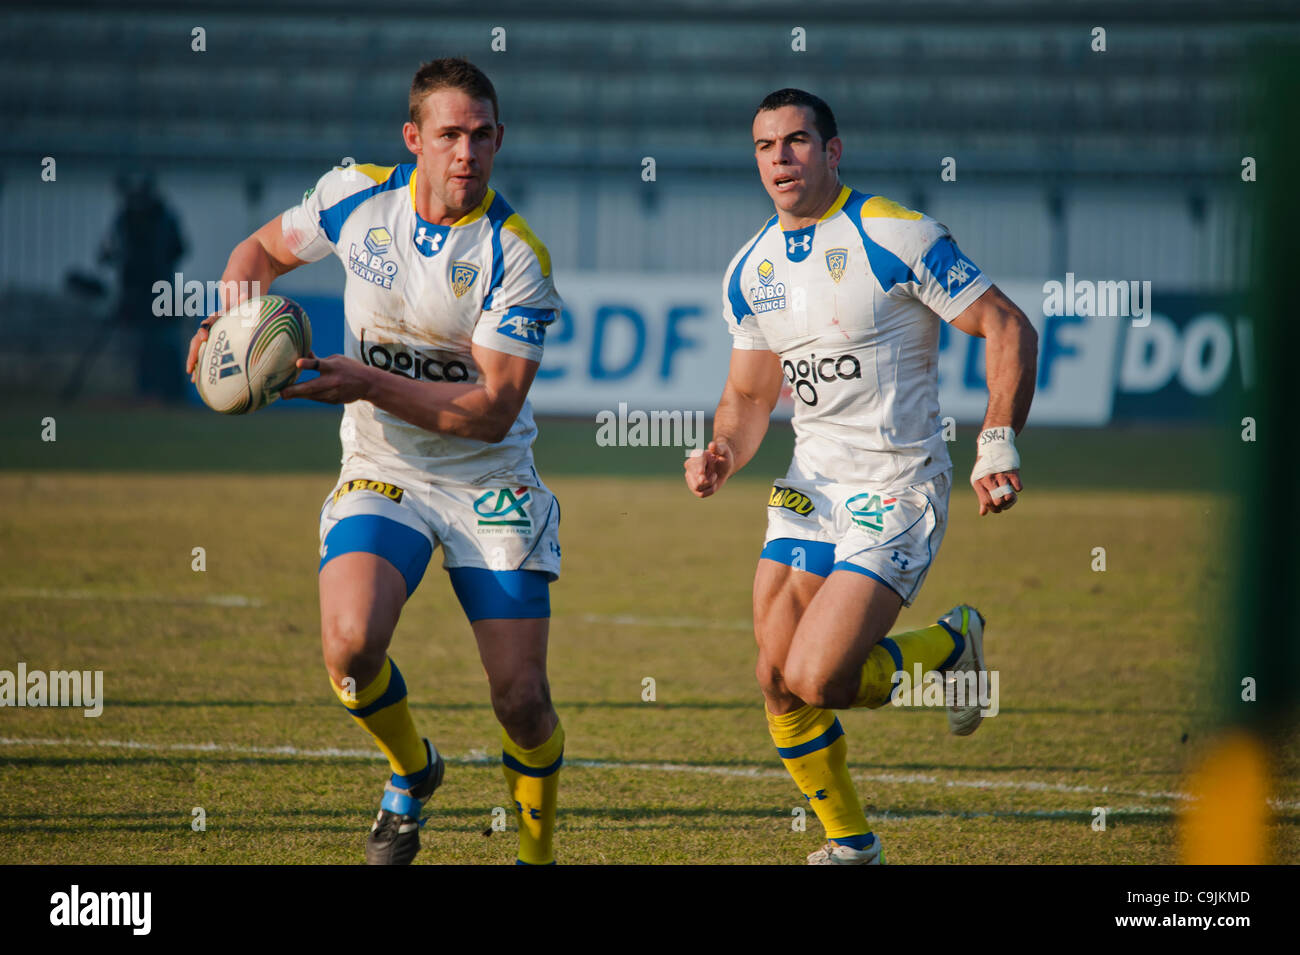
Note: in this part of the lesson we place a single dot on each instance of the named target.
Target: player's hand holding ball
(708, 469)
(339, 381)
(996, 475)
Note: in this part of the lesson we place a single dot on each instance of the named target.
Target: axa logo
(805, 374)
(390, 356)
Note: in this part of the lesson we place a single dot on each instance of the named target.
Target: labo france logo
(805, 374)
(411, 364)
(369, 262)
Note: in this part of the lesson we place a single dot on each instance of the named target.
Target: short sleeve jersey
(417, 296)
(851, 305)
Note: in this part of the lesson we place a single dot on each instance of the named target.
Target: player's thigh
(361, 599)
(375, 547)
(785, 583)
(849, 615)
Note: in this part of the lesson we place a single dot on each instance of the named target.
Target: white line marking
(46, 593)
(481, 758)
(684, 623)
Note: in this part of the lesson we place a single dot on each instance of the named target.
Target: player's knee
(522, 704)
(352, 648)
(818, 688)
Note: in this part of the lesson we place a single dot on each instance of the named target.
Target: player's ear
(834, 150)
(501, 132)
(411, 135)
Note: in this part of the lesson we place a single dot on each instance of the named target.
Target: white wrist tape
(995, 453)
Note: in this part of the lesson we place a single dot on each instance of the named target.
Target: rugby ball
(250, 354)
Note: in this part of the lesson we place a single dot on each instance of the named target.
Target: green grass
(1101, 673)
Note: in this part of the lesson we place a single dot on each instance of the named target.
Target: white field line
(675, 623)
(481, 758)
(49, 593)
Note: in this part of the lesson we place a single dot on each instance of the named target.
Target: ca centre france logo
(869, 509)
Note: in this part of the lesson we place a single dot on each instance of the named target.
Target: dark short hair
(451, 72)
(823, 118)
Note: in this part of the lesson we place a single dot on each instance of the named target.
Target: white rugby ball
(250, 354)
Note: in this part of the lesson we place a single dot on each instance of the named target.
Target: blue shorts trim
(406, 549)
(845, 565)
(501, 594)
(817, 557)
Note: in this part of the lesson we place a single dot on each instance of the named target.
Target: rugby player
(447, 301)
(840, 295)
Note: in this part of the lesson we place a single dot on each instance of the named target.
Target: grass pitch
(216, 696)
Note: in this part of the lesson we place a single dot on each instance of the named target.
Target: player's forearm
(251, 268)
(461, 410)
(1011, 366)
(741, 421)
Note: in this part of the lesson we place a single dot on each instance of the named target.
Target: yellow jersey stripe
(379, 174)
(878, 207)
(519, 227)
(838, 204)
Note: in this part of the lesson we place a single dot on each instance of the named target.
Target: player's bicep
(990, 315)
(275, 244)
(505, 377)
(755, 375)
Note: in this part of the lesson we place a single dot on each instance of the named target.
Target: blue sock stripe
(834, 732)
(395, 693)
(414, 779)
(534, 771)
(892, 649)
(403, 804)
(959, 646)
(863, 841)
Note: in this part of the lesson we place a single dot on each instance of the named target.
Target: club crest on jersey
(368, 260)
(869, 509)
(462, 275)
(769, 294)
(837, 260)
(504, 511)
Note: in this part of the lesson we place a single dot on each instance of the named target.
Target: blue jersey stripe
(739, 305)
(332, 219)
(497, 214)
(888, 268)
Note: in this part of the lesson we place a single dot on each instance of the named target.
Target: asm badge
(462, 276)
(837, 261)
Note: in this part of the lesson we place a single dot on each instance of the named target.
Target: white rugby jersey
(851, 305)
(417, 295)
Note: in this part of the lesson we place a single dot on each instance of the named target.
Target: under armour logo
(900, 561)
(434, 240)
(801, 243)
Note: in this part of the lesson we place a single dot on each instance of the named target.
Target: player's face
(454, 146)
(797, 172)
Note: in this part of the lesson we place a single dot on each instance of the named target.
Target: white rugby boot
(969, 622)
(835, 854)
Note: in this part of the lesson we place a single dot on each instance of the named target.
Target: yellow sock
(533, 778)
(382, 710)
(934, 647)
(811, 744)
